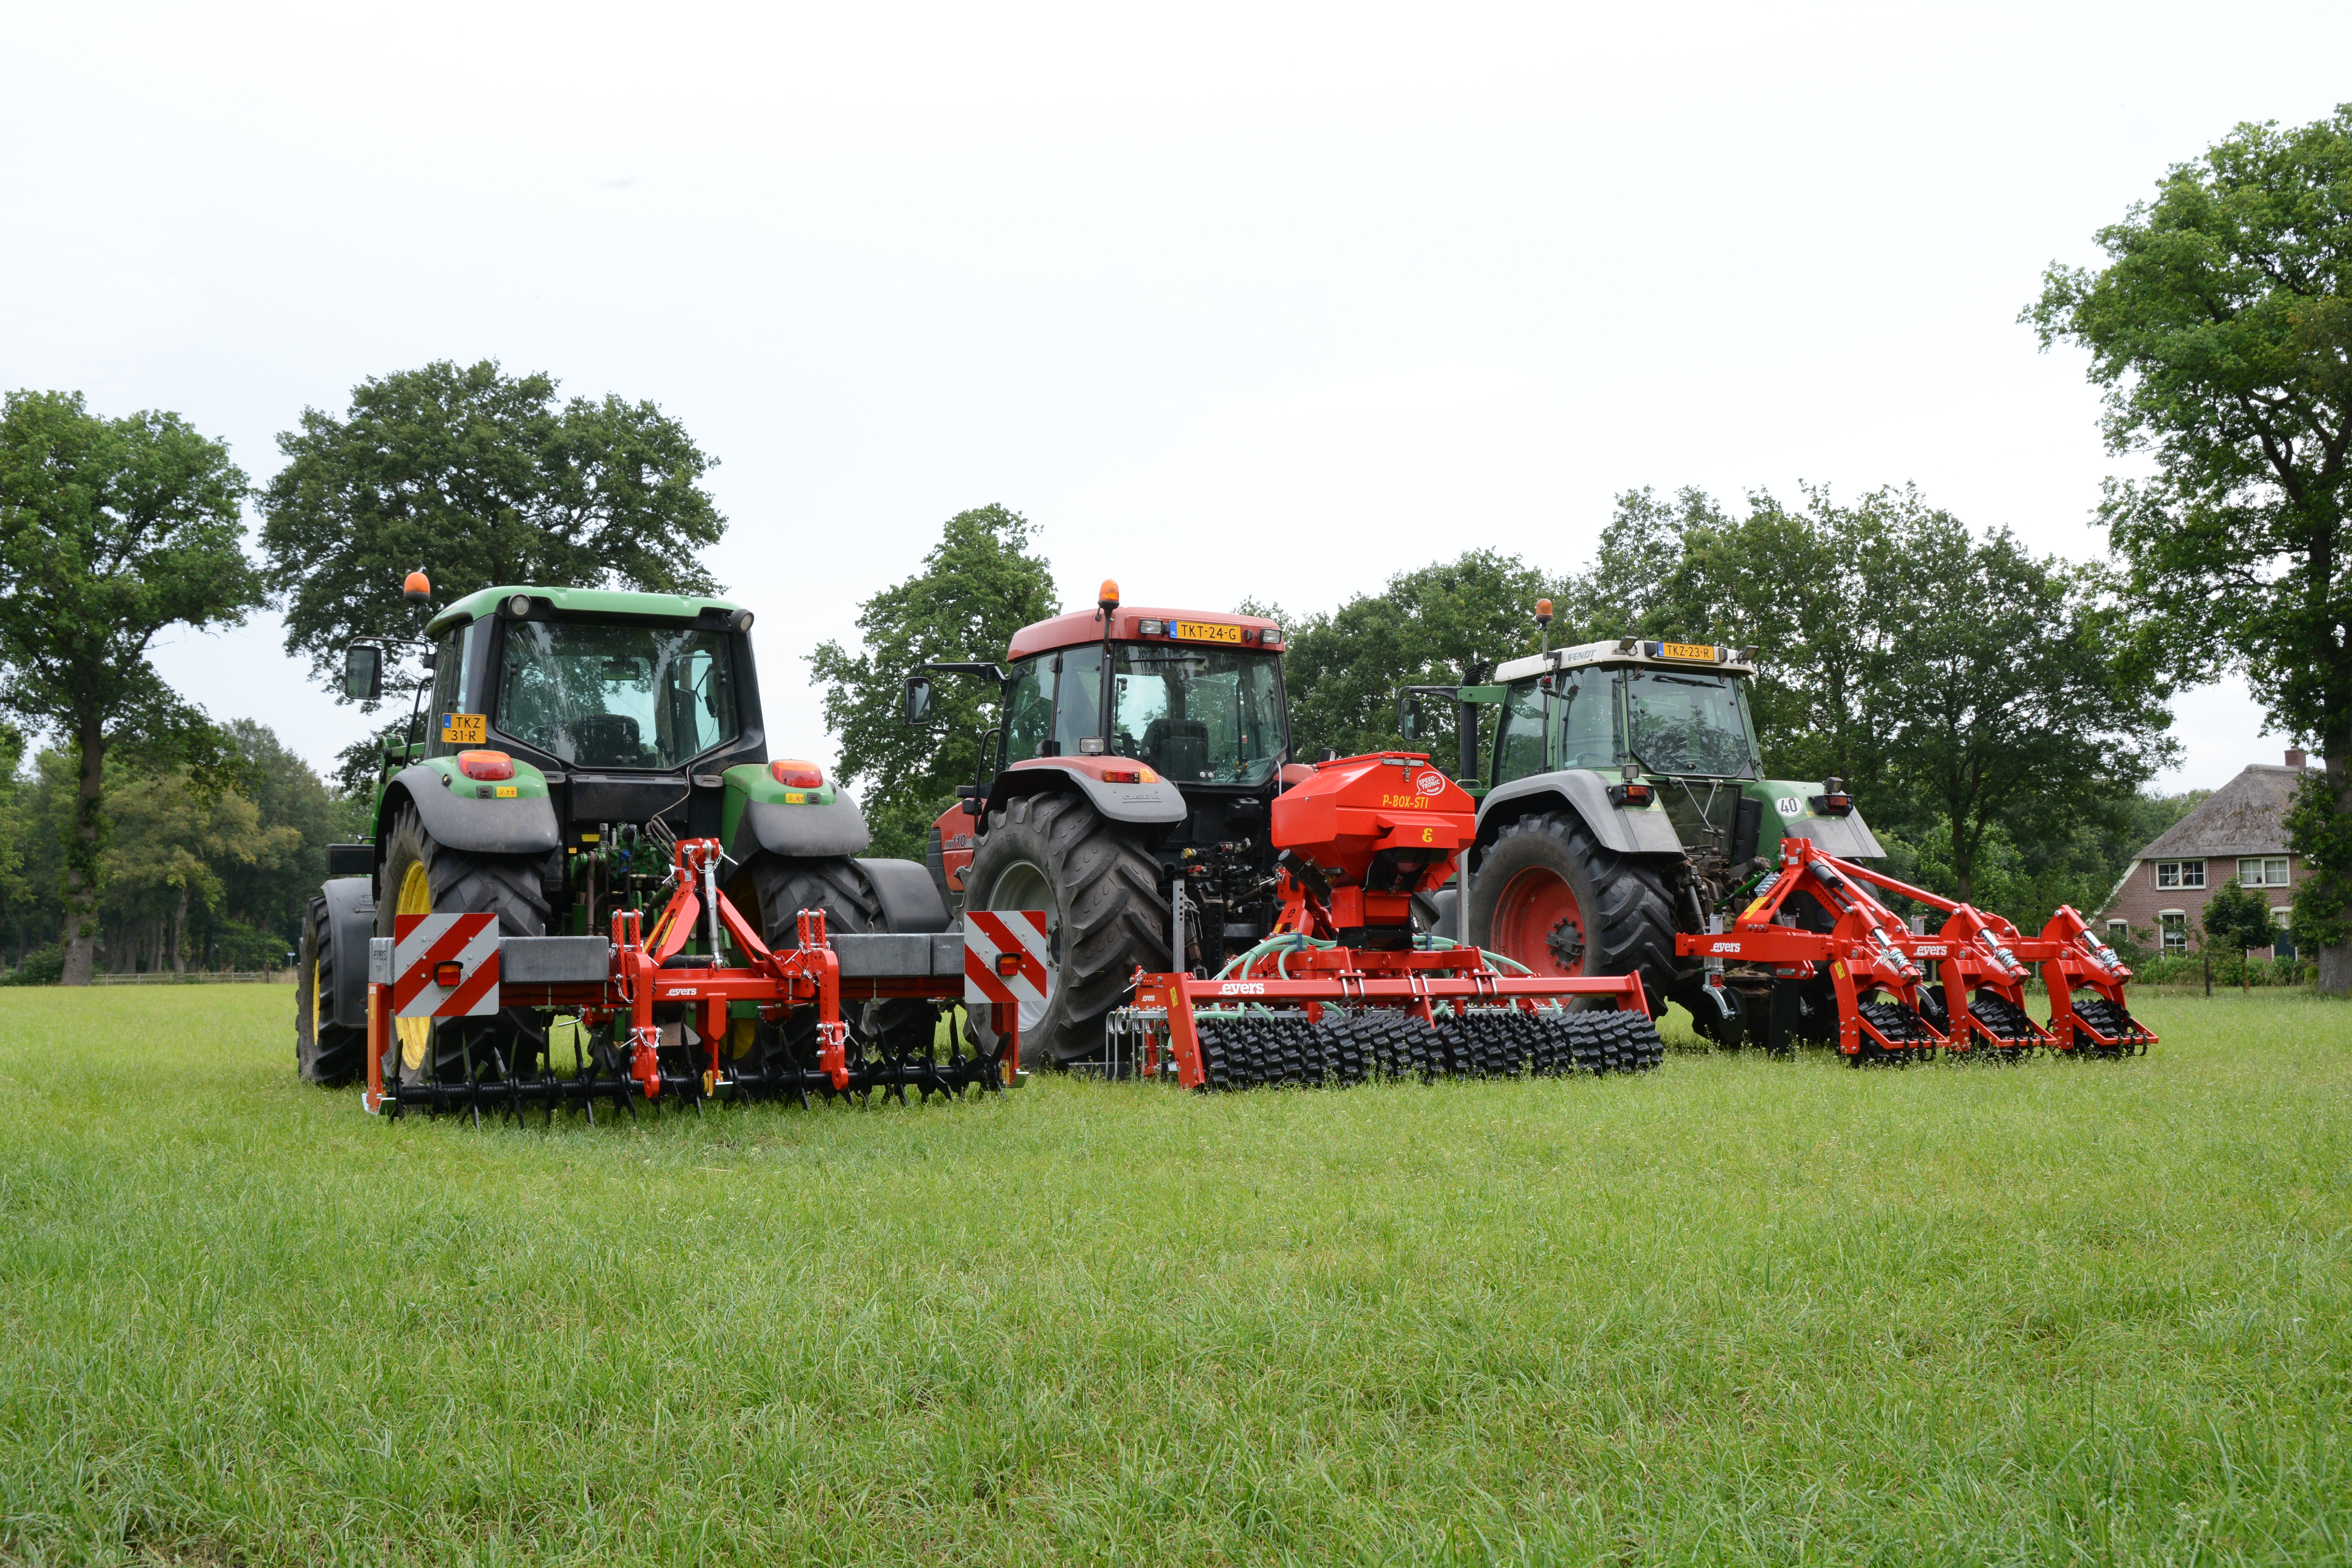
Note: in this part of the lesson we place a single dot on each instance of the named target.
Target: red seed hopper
(1345, 989)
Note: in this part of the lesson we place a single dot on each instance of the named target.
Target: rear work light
(486, 766)
(797, 774)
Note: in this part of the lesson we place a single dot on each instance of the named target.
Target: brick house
(2240, 830)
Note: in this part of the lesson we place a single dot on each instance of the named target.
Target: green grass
(1739, 1311)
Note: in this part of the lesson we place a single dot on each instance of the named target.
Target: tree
(2221, 328)
(978, 586)
(1961, 685)
(1343, 670)
(110, 529)
(172, 847)
(1793, 586)
(480, 479)
(1997, 688)
(2237, 919)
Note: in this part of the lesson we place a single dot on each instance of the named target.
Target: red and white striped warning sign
(445, 967)
(1004, 953)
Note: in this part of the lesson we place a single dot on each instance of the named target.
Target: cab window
(1587, 717)
(1029, 708)
(1519, 742)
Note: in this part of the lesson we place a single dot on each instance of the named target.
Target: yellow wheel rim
(318, 1008)
(415, 899)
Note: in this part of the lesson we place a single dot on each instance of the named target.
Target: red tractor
(1127, 791)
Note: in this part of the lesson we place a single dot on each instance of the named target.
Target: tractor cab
(1668, 709)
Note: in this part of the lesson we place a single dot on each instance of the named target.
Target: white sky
(1229, 299)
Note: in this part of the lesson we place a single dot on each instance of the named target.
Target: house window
(2175, 925)
(2180, 873)
(2270, 871)
(2117, 929)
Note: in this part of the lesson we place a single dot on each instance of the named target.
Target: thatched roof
(2245, 816)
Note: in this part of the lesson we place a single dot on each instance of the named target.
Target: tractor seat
(605, 740)
(1177, 748)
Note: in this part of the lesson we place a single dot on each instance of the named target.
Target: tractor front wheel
(1104, 914)
(325, 1052)
(1549, 896)
(422, 876)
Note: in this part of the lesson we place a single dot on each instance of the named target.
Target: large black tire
(1566, 905)
(1105, 916)
(781, 888)
(325, 1052)
(509, 886)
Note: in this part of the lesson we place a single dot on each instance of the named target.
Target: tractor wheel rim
(416, 1034)
(317, 1009)
(1026, 886)
(1538, 922)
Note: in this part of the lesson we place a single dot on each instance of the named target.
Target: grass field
(1736, 1311)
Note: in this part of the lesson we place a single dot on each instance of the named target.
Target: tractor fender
(909, 898)
(836, 827)
(524, 825)
(1158, 804)
(1644, 830)
(1848, 837)
(350, 921)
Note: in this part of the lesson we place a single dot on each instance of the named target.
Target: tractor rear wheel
(325, 1052)
(779, 888)
(1547, 895)
(422, 876)
(1104, 914)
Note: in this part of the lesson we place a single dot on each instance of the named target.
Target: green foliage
(2320, 830)
(2221, 328)
(1344, 669)
(42, 966)
(247, 853)
(480, 479)
(109, 532)
(2235, 917)
(978, 586)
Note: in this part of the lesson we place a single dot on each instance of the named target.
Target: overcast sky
(1250, 301)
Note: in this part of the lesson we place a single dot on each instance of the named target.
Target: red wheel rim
(1536, 906)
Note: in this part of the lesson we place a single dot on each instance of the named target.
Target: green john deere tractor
(571, 738)
(1628, 803)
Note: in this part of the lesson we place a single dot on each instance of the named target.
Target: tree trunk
(82, 847)
(180, 935)
(2335, 963)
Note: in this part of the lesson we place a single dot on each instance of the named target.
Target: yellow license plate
(1698, 650)
(465, 728)
(1207, 631)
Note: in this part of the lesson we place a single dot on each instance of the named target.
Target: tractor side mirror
(363, 672)
(919, 698)
(1408, 719)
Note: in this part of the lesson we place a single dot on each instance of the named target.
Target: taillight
(797, 774)
(1122, 775)
(486, 765)
(1008, 964)
(449, 975)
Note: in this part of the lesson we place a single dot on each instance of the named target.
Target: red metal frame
(808, 974)
(1871, 949)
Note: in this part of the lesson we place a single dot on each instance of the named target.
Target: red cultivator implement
(655, 1023)
(1345, 991)
(1829, 946)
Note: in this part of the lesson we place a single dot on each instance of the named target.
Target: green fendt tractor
(572, 737)
(1628, 803)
